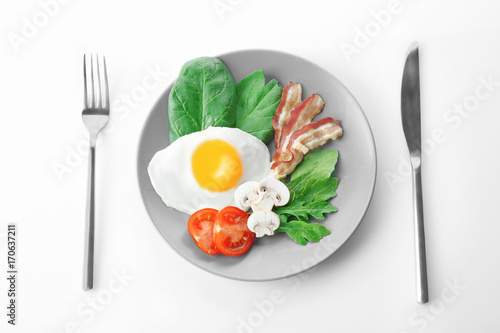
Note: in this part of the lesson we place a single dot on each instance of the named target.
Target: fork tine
(106, 87)
(85, 99)
(92, 90)
(99, 88)
(96, 90)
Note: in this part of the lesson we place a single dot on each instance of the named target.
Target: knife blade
(410, 115)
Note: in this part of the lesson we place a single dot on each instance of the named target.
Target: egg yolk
(216, 165)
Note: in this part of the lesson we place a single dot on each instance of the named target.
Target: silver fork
(95, 116)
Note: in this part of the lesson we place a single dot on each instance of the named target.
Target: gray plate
(278, 256)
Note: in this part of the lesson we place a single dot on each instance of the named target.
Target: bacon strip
(299, 117)
(302, 141)
(290, 99)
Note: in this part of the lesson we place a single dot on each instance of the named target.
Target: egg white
(171, 174)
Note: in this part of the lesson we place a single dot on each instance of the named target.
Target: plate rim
(366, 206)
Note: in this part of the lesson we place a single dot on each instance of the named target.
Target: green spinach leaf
(256, 103)
(203, 95)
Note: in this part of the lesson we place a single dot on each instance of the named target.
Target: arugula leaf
(301, 231)
(302, 209)
(318, 164)
(311, 187)
(256, 103)
(324, 189)
(203, 95)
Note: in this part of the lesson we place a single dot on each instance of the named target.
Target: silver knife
(410, 114)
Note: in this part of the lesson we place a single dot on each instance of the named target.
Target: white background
(368, 285)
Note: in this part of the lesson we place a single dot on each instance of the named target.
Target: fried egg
(204, 169)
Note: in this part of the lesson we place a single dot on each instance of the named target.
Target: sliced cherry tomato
(231, 234)
(201, 228)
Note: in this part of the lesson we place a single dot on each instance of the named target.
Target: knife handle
(418, 219)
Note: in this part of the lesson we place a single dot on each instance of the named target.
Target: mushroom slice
(246, 194)
(275, 190)
(261, 197)
(263, 223)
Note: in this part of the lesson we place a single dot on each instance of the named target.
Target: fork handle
(88, 268)
(418, 219)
